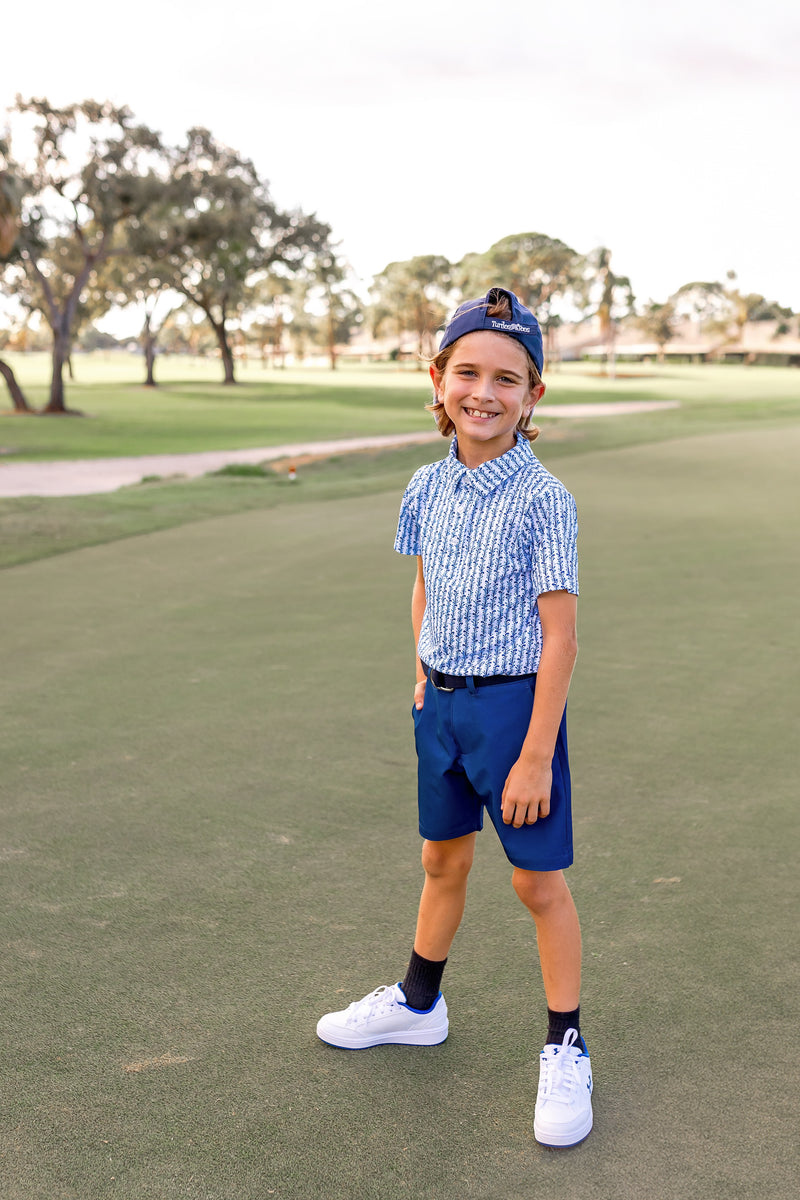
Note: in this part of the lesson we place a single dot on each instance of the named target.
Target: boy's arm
(418, 603)
(526, 795)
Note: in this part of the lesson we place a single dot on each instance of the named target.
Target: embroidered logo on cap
(511, 327)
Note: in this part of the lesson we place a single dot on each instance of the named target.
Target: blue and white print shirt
(492, 540)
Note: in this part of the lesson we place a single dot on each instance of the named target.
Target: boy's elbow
(567, 637)
(563, 646)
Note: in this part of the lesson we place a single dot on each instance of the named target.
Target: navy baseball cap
(473, 315)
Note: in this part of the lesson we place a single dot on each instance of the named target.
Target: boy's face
(485, 389)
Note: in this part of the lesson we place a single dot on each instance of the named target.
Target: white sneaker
(384, 1017)
(564, 1100)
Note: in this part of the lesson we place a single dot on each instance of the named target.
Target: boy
(494, 618)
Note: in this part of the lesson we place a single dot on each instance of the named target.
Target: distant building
(759, 342)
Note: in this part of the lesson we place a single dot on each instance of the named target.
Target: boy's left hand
(526, 795)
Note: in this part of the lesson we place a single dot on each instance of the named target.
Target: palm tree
(613, 299)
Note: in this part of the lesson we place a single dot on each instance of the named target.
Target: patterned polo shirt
(492, 540)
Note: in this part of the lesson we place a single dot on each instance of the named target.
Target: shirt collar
(489, 475)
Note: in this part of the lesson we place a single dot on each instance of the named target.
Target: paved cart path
(83, 477)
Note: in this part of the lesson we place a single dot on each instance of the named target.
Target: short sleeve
(407, 540)
(555, 535)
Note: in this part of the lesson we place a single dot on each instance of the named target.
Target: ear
(535, 396)
(436, 377)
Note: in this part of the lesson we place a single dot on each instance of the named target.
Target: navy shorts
(467, 742)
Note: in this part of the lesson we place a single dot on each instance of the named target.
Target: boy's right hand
(419, 694)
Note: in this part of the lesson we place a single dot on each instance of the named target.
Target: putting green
(209, 839)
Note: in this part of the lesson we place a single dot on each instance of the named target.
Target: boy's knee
(447, 858)
(539, 890)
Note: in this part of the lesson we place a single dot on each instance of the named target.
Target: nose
(482, 388)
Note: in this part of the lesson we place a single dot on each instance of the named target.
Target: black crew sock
(421, 984)
(559, 1022)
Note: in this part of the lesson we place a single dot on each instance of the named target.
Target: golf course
(209, 816)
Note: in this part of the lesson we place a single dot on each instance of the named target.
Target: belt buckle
(436, 685)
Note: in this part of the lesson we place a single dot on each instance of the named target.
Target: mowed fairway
(209, 840)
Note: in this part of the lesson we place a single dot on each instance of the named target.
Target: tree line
(552, 279)
(98, 211)
(102, 212)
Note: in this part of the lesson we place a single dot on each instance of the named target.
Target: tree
(344, 313)
(413, 295)
(703, 302)
(137, 281)
(92, 173)
(539, 269)
(750, 306)
(186, 332)
(607, 296)
(723, 311)
(9, 228)
(222, 231)
(157, 309)
(341, 307)
(275, 303)
(658, 322)
(9, 207)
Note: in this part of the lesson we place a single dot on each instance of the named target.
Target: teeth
(476, 412)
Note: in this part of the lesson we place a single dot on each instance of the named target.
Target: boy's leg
(563, 1115)
(441, 907)
(558, 934)
(414, 1013)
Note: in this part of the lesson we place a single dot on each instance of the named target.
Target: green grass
(33, 527)
(198, 414)
(193, 411)
(209, 839)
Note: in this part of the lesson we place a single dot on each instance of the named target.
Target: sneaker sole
(564, 1141)
(422, 1037)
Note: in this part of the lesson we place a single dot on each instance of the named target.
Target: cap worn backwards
(473, 316)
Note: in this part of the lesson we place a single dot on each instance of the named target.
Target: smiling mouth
(477, 412)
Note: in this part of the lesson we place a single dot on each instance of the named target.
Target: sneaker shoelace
(375, 1004)
(560, 1074)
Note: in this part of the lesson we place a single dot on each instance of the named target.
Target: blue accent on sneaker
(420, 1011)
(383, 1018)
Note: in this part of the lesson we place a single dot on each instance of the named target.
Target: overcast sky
(669, 132)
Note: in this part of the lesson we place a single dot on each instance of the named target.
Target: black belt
(449, 683)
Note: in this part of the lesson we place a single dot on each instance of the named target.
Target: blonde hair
(501, 309)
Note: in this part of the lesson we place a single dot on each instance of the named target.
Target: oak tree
(9, 228)
(92, 171)
(413, 296)
(221, 231)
